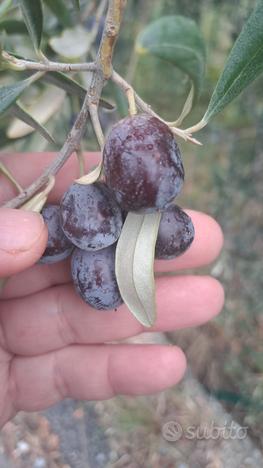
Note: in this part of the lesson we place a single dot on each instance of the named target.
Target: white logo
(172, 431)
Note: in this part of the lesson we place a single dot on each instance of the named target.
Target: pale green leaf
(244, 64)
(134, 265)
(9, 94)
(91, 177)
(178, 40)
(36, 203)
(25, 124)
(72, 43)
(33, 17)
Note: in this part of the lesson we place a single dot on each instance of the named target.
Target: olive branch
(101, 71)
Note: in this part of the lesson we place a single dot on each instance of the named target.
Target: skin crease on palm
(53, 345)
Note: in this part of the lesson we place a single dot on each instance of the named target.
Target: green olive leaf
(244, 64)
(12, 26)
(73, 43)
(72, 87)
(15, 131)
(9, 94)
(178, 40)
(33, 17)
(60, 10)
(134, 265)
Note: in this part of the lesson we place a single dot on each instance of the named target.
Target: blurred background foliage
(223, 177)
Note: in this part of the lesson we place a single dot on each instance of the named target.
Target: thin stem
(197, 127)
(110, 36)
(131, 101)
(93, 109)
(9, 176)
(117, 79)
(21, 64)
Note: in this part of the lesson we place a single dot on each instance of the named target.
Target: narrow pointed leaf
(9, 94)
(20, 113)
(91, 177)
(72, 87)
(186, 109)
(36, 203)
(13, 27)
(134, 265)
(47, 104)
(177, 40)
(8, 174)
(60, 10)
(244, 64)
(33, 17)
(63, 81)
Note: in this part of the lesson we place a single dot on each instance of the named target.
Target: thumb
(23, 237)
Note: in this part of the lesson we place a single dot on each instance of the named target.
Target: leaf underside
(33, 17)
(91, 177)
(17, 111)
(134, 265)
(9, 94)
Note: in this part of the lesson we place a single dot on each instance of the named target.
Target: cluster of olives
(143, 173)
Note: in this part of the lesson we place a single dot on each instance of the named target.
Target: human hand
(53, 345)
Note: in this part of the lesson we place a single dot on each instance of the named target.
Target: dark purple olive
(142, 164)
(58, 246)
(94, 277)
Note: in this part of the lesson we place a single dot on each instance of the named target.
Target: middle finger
(57, 317)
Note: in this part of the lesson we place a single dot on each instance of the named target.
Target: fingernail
(19, 229)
